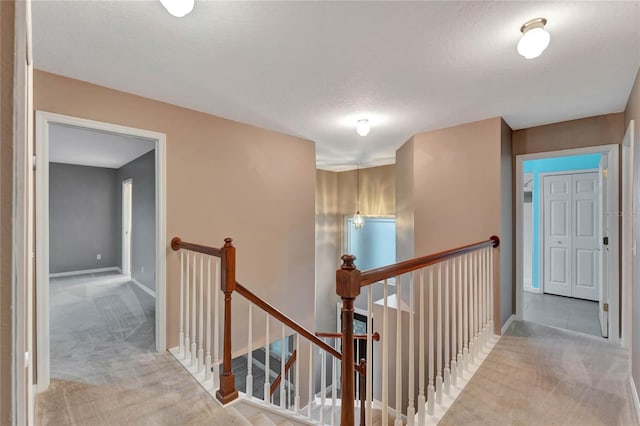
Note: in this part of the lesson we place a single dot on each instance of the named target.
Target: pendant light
(358, 220)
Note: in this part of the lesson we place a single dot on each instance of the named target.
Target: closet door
(557, 212)
(586, 236)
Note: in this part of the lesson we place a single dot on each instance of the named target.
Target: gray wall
(81, 218)
(143, 227)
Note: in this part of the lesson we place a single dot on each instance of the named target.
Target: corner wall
(507, 226)
(7, 12)
(632, 112)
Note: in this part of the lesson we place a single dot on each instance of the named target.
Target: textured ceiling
(311, 69)
(73, 145)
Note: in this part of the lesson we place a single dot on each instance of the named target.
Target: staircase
(433, 329)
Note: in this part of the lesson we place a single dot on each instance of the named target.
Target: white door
(127, 192)
(557, 234)
(571, 225)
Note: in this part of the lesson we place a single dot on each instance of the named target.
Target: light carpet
(538, 375)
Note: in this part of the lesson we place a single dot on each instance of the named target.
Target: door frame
(627, 243)
(612, 206)
(541, 237)
(43, 121)
(126, 251)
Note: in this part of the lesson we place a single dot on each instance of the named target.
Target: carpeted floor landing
(538, 375)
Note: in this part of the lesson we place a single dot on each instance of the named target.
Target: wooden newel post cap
(228, 241)
(175, 243)
(348, 278)
(496, 241)
(348, 262)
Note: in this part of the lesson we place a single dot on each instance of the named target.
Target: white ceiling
(74, 145)
(311, 69)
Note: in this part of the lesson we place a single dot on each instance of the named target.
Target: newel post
(348, 288)
(227, 391)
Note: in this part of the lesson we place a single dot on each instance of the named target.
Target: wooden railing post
(227, 391)
(348, 288)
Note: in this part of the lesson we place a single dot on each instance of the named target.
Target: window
(374, 244)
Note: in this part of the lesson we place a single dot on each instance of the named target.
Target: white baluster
(200, 359)
(323, 384)
(454, 332)
(369, 382)
(216, 326)
(181, 331)
(207, 360)
(283, 352)
(472, 309)
(194, 283)
(385, 358)
(411, 411)
(267, 368)
(466, 311)
(439, 338)
(484, 297)
(491, 279)
(311, 370)
(296, 406)
(431, 388)
(398, 421)
(187, 305)
(422, 400)
(447, 349)
(334, 388)
(249, 386)
(460, 322)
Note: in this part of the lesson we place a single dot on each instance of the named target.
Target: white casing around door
(572, 235)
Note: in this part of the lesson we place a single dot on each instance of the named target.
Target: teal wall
(558, 164)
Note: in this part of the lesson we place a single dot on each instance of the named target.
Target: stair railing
(460, 290)
(199, 322)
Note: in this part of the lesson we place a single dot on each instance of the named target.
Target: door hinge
(605, 172)
(605, 307)
(34, 162)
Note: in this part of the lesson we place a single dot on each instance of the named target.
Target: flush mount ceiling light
(362, 127)
(534, 38)
(178, 8)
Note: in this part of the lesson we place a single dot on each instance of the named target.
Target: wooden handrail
(287, 366)
(286, 320)
(177, 244)
(379, 274)
(375, 336)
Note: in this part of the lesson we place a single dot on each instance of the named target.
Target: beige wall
(632, 112)
(223, 179)
(585, 132)
(6, 195)
(377, 191)
(405, 247)
(455, 174)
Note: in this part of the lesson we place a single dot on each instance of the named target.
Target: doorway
(98, 259)
(127, 193)
(567, 239)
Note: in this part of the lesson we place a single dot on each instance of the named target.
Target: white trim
(627, 233)
(126, 251)
(84, 272)
(143, 287)
(634, 396)
(507, 323)
(614, 236)
(43, 120)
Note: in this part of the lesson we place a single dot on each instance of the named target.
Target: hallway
(538, 375)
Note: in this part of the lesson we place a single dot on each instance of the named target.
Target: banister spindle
(460, 285)
(398, 391)
(454, 332)
(194, 287)
(369, 380)
(227, 391)
(348, 288)
(439, 338)
(216, 323)
(465, 310)
(447, 348)
(207, 360)
(296, 401)
(385, 356)
(199, 361)
(187, 340)
(249, 381)
(422, 400)
(411, 411)
(267, 367)
(431, 387)
(283, 351)
(181, 319)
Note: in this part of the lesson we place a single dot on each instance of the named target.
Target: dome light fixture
(362, 127)
(535, 38)
(178, 8)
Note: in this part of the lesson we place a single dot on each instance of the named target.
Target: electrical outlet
(99, 256)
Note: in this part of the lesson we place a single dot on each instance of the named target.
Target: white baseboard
(634, 396)
(85, 271)
(532, 290)
(507, 324)
(144, 288)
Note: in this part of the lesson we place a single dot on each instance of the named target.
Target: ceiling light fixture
(178, 8)
(534, 38)
(363, 127)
